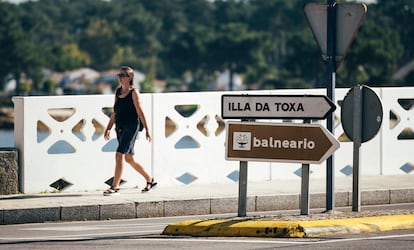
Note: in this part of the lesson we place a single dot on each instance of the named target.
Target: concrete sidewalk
(197, 200)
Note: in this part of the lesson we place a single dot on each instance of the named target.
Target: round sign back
(372, 114)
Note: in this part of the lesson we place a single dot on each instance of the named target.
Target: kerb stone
(80, 213)
(150, 209)
(118, 211)
(187, 207)
(31, 215)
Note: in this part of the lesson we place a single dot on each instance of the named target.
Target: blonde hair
(130, 72)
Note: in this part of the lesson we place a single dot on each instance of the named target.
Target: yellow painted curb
(358, 225)
(233, 228)
(251, 228)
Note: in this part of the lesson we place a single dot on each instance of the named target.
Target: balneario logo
(242, 141)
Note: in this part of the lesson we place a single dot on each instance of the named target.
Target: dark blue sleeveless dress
(126, 123)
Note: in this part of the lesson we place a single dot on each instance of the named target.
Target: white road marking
(369, 238)
(79, 236)
(307, 241)
(79, 228)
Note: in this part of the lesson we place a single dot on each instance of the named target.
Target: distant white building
(82, 74)
(223, 81)
(10, 86)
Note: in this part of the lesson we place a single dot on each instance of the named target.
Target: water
(7, 141)
(6, 138)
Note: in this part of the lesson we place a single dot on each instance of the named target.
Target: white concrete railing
(86, 160)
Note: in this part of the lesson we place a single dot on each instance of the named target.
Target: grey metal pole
(242, 189)
(243, 184)
(330, 75)
(357, 134)
(304, 193)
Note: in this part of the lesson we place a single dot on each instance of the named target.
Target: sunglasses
(122, 75)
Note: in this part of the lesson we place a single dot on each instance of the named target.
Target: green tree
(189, 52)
(68, 57)
(18, 52)
(266, 41)
(304, 61)
(140, 29)
(100, 42)
(400, 15)
(373, 56)
(235, 48)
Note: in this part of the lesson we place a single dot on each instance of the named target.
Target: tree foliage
(268, 42)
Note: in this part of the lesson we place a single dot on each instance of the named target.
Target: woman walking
(127, 116)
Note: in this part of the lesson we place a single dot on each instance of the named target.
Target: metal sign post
(242, 209)
(334, 27)
(304, 193)
(361, 117)
(356, 192)
(242, 189)
(330, 75)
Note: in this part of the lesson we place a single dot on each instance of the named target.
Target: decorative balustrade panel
(61, 142)
(397, 147)
(62, 145)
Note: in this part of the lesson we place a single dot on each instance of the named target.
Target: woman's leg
(129, 158)
(119, 168)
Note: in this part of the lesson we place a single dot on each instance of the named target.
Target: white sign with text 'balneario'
(276, 106)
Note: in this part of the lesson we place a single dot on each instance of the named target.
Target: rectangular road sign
(300, 143)
(276, 106)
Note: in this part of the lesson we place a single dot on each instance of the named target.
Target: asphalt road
(146, 234)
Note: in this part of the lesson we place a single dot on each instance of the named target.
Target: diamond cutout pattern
(186, 110)
(347, 170)
(187, 142)
(62, 114)
(170, 126)
(201, 125)
(394, 119)
(61, 147)
(406, 104)
(407, 167)
(108, 111)
(221, 126)
(298, 172)
(110, 146)
(187, 178)
(43, 131)
(61, 184)
(406, 134)
(111, 180)
(77, 130)
(234, 176)
(99, 129)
